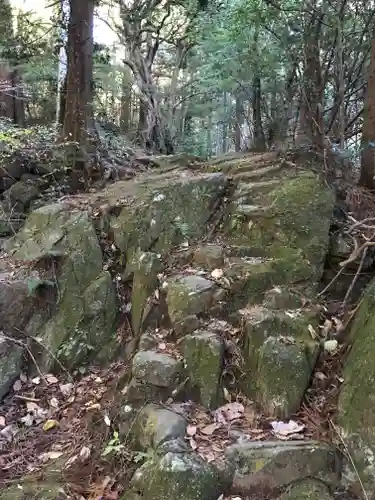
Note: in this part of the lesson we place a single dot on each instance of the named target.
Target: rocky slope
(202, 279)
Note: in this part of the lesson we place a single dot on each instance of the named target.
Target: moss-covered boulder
(35, 490)
(185, 476)
(190, 294)
(47, 484)
(204, 356)
(248, 279)
(156, 425)
(156, 368)
(282, 298)
(21, 194)
(279, 357)
(289, 223)
(209, 256)
(307, 490)
(265, 468)
(11, 362)
(90, 332)
(166, 210)
(356, 408)
(86, 309)
(145, 267)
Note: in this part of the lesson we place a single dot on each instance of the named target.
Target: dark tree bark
(368, 131)
(259, 143)
(311, 130)
(239, 122)
(78, 104)
(126, 103)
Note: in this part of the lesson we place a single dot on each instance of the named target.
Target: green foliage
(34, 144)
(114, 446)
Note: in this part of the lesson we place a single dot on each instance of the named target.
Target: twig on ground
(333, 280)
(361, 223)
(356, 253)
(350, 289)
(349, 457)
(26, 398)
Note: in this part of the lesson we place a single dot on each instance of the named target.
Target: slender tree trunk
(142, 123)
(368, 131)
(209, 135)
(239, 123)
(311, 130)
(259, 143)
(62, 65)
(78, 111)
(224, 137)
(126, 104)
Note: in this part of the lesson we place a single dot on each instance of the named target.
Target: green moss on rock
(294, 229)
(164, 213)
(204, 353)
(279, 356)
(145, 267)
(356, 415)
(86, 309)
(179, 475)
(190, 294)
(307, 490)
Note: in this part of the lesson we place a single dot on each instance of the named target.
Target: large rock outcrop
(356, 412)
(196, 247)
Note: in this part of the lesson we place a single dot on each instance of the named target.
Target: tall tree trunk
(209, 135)
(78, 111)
(239, 122)
(368, 131)
(142, 123)
(62, 64)
(259, 143)
(224, 136)
(311, 130)
(126, 104)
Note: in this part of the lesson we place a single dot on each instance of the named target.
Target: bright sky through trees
(102, 33)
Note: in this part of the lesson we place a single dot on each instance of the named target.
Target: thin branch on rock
(350, 289)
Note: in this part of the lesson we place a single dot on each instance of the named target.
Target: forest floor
(82, 410)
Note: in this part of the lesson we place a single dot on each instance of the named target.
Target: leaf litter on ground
(46, 418)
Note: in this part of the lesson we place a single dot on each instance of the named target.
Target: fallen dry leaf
(2, 421)
(193, 444)
(50, 455)
(210, 429)
(51, 379)
(17, 386)
(31, 406)
(286, 429)
(85, 453)
(50, 424)
(229, 412)
(54, 403)
(66, 389)
(191, 430)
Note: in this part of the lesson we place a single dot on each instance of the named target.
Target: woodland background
(200, 76)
